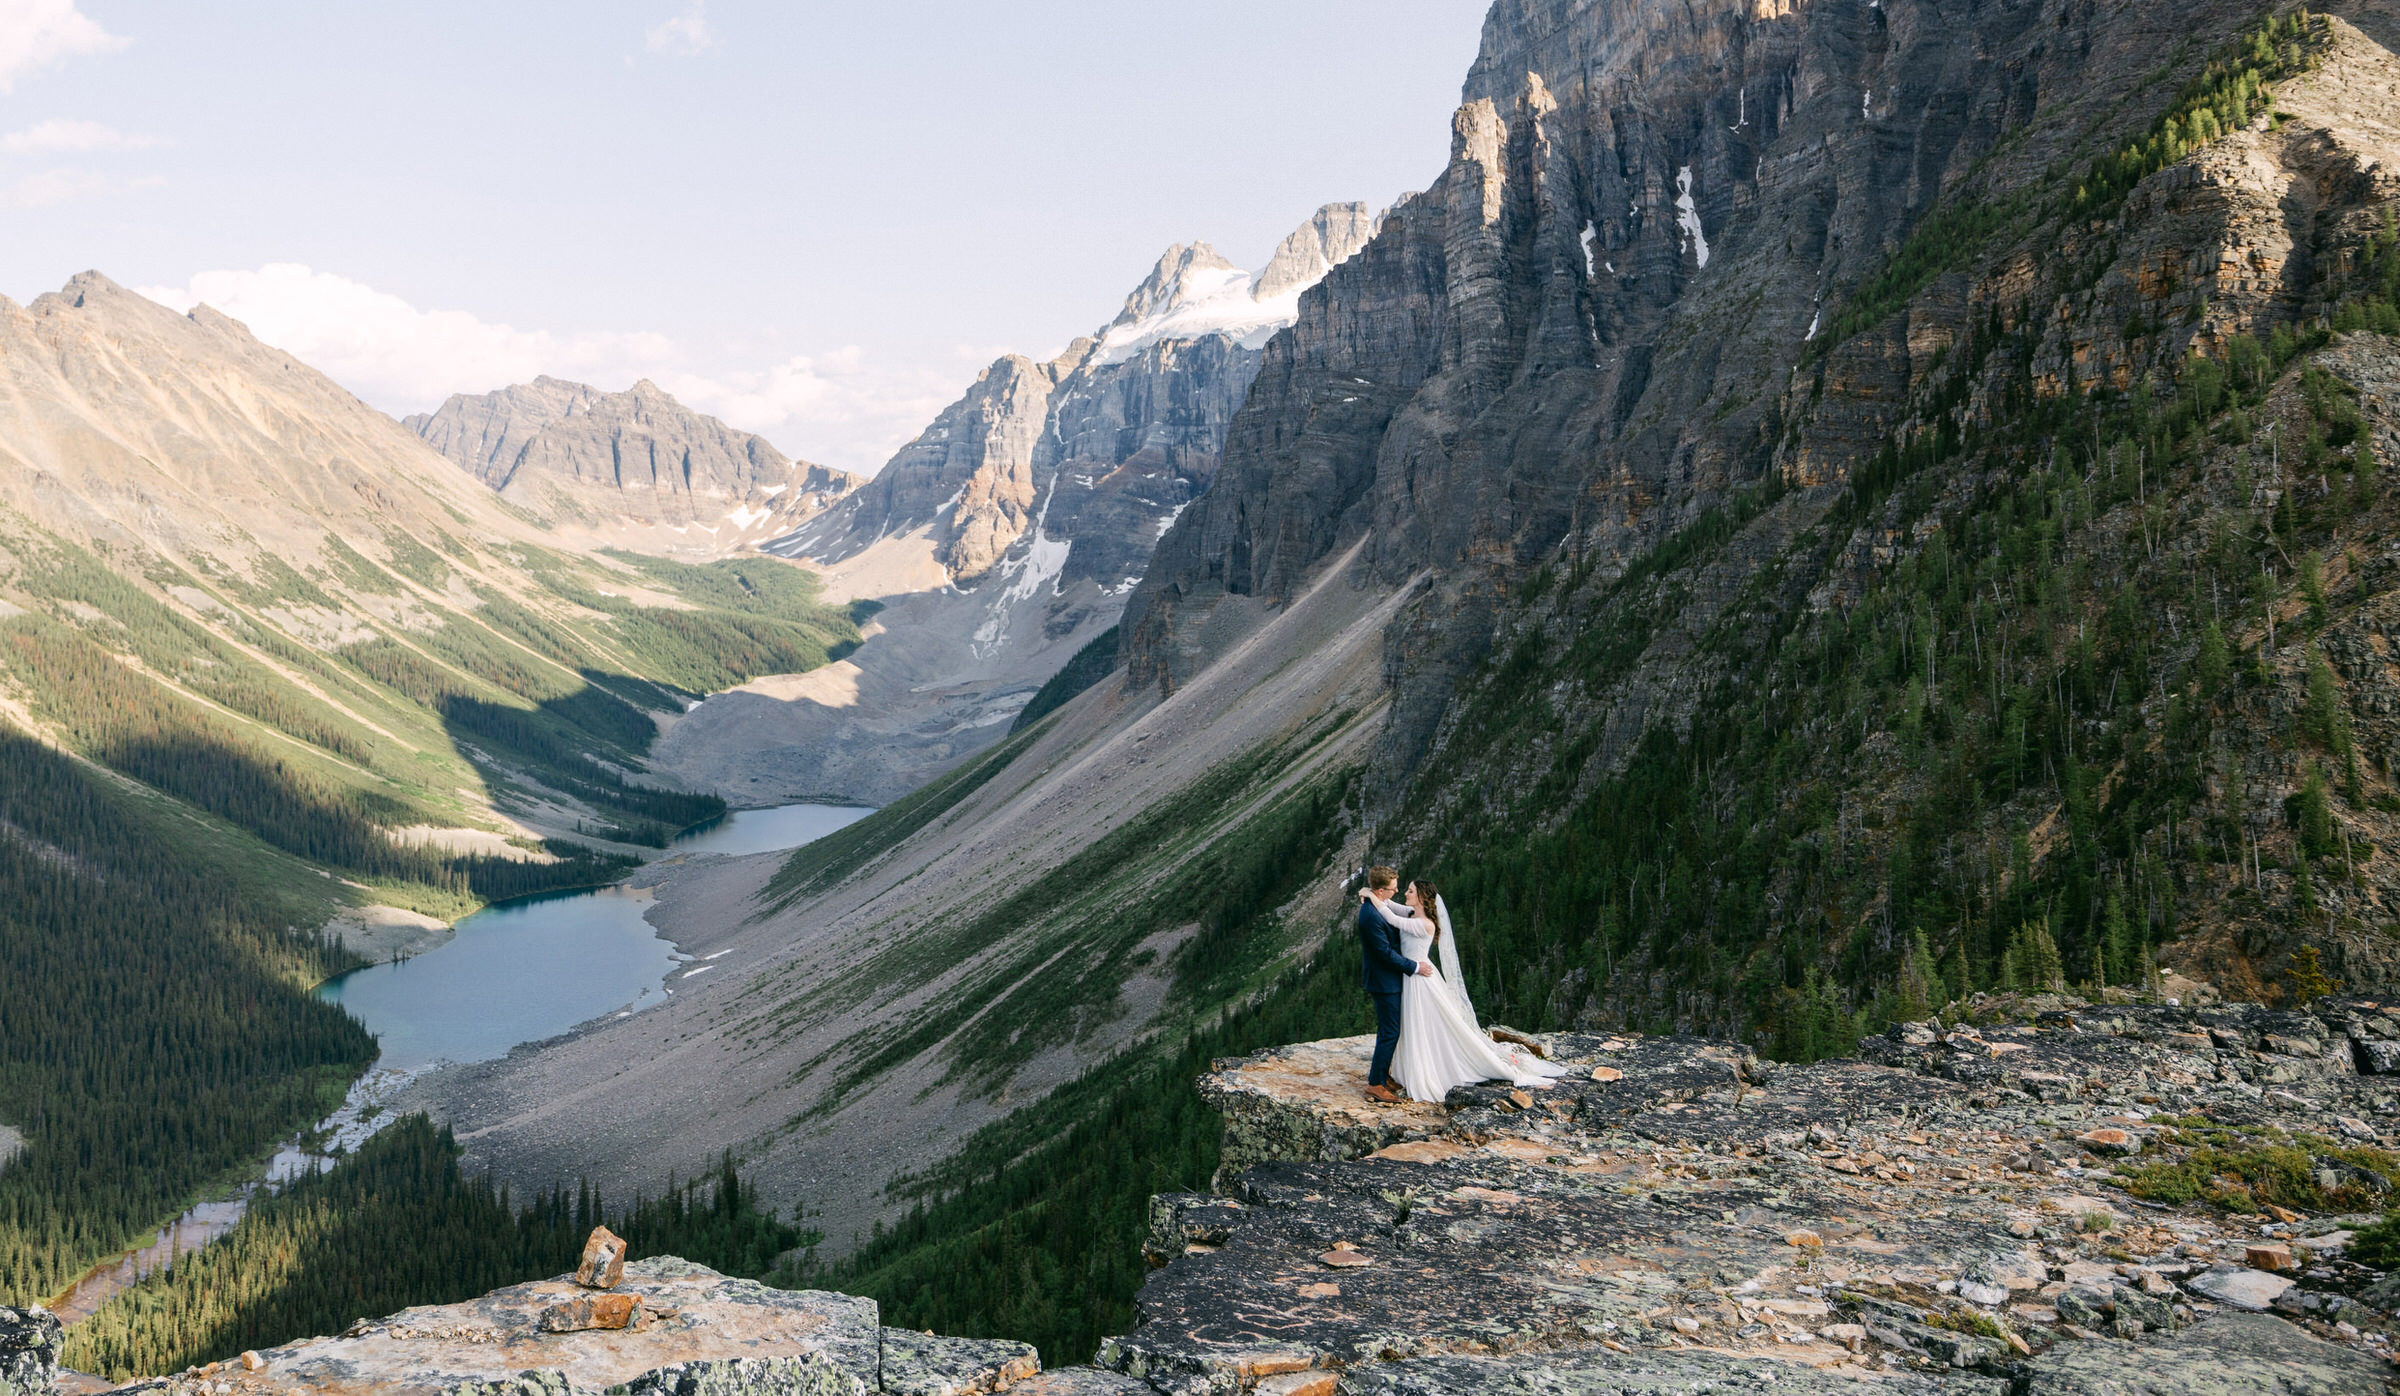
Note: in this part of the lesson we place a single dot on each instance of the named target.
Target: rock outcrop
(700, 1334)
(635, 468)
(1949, 1213)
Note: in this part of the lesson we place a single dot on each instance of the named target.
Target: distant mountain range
(636, 468)
(1001, 541)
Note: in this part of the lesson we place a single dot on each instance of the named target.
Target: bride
(1441, 1045)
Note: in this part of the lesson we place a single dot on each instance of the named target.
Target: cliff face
(1587, 331)
(636, 466)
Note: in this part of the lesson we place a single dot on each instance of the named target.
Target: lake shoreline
(381, 1091)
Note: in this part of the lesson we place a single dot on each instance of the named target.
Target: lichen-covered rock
(813, 1375)
(1673, 1202)
(1080, 1381)
(2228, 1354)
(1647, 1373)
(29, 1340)
(927, 1364)
(704, 1334)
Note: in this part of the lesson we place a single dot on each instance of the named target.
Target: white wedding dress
(1441, 1046)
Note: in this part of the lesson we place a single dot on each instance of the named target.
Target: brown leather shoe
(1382, 1095)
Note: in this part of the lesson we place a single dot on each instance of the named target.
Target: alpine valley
(1791, 529)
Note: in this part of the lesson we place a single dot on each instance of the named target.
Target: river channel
(517, 972)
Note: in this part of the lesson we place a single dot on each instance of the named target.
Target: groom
(1386, 970)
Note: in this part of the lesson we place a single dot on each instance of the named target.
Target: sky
(815, 220)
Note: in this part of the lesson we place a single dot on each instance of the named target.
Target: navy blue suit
(1385, 971)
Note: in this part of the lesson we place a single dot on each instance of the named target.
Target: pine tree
(2213, 664)
(2309, 980)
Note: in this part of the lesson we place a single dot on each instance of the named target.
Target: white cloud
(73, 186)
(684, 35)
(840, 408)
(80, 137)
(36, 34)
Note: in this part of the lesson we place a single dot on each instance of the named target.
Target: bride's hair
(1428, 894)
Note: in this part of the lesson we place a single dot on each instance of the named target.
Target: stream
(519, 971)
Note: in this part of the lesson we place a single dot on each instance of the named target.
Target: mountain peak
(1329, 238)
(1194, 291)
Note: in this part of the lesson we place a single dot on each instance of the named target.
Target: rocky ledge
(2090, 1201)
(2079, 1202)
(668, 1328)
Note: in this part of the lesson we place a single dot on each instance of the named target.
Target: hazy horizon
(814, 222)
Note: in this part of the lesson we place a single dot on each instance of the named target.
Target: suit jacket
(1386, 969)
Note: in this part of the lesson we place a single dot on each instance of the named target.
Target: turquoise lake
(533, 968)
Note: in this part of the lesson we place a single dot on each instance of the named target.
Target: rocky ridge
(1947, 1213)
(635, 468)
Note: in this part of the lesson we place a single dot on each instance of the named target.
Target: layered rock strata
(635, 468)
(1945, 1214)
(1611, 309)
(699, 1334)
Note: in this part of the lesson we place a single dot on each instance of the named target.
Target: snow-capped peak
(1193, 291)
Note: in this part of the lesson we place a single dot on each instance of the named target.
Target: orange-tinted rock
(2110, 1140)
(589, 1311)
(603, 1265)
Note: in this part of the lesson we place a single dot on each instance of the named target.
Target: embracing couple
(1425, 1029)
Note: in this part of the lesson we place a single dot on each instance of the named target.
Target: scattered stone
(1607, 1073)
(1976, 1292)
(2242, 1288)
(2111, 1141)
(2276, 1258)
(1339, 1259)
(2354, 1127)
(2023, 1227)
(1524, 1040)
(603, 1264)
(1523, 1100)
(251, 1361)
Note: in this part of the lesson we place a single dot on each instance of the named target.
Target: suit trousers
(1387, 1036)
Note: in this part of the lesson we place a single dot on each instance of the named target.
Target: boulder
(2239, 1286)
(603, 1264)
